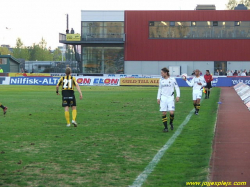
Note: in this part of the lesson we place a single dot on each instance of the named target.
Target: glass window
(95, 30)
(3, 60)
(199, 29)
(103, 60)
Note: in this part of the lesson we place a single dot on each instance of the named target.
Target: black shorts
(68, 99)
(209, 85)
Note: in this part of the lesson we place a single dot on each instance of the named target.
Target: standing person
(197, 83)
(165, 97)
(4, 108)
(68, 97)
(208, 78)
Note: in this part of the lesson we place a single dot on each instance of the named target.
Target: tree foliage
(38, 52)
(57, 55)
(20, 51)
(234, 3)
(5, 51)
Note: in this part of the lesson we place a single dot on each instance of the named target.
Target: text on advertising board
(34, 80)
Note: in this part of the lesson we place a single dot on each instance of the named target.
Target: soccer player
(165, 97)
(68, 97)
(4, 108)
(208, 78)
(197, 83)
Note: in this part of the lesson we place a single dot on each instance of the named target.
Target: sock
(165, 121)
(67, 117)
(171, 118)
(198, 107)
(2, 106)
(74, 113)
(208, 93)
(195, 105)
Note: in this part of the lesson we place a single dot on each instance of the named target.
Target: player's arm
(159, 92)
(77, 87)
(203, 82)
(57, 86)
(177, 88)
(190, 83)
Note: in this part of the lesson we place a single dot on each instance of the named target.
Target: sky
(32, 20)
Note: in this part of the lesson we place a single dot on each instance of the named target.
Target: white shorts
(167, 104)
(197, 95)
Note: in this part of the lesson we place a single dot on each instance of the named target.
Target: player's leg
(171, 108)
(74, 112)
(163, 109)
(67, 117)
(198, 101)
(4, 108)
(194, 101)
(165, 121)
(206, 92)
(171, 120)
(198, 106)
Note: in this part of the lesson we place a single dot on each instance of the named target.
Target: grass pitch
(119, 132)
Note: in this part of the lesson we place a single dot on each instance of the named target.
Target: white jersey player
(165, 97)
(198, 82)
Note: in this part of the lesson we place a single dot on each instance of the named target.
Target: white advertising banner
(97, 81)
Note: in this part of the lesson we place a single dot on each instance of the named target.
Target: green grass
(119, 132)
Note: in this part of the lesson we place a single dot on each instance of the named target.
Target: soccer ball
(184, 76)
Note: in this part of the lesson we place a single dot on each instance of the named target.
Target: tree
(231, 4)
(20, 51)
(40, 52)
(57, 55)
(5, 51)
(234, 3)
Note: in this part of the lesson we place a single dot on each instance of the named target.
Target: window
(109, 60)
(199, 29)
(237, 23)
(151, 23)
(172, 23)
(102, 31)
(193, 23)
(3, 60)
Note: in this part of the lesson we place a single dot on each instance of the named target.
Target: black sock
(208, 93)
(171, 118)
(165, 121)
(198, 107)
(195, 106)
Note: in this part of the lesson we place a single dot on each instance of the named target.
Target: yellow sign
(73, 37)
(29, 75)
(139, 81)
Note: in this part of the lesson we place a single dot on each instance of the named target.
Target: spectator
(246, 72)
(235, 73)
(239, 73)
(217, 72)
(1, 70)
(72, 31)
(221, 72)
(229, 73)
(67, 31)
(194, 72)
(243, 73)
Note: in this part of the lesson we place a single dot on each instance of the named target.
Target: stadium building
(142, 42)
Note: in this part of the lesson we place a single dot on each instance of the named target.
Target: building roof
(10, 57)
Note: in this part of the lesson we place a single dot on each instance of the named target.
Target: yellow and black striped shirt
(67, 82)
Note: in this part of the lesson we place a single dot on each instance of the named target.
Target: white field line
(143, 176)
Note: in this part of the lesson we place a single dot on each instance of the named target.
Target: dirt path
(231, 148)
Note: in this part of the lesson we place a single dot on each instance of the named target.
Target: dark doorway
(220, 67)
